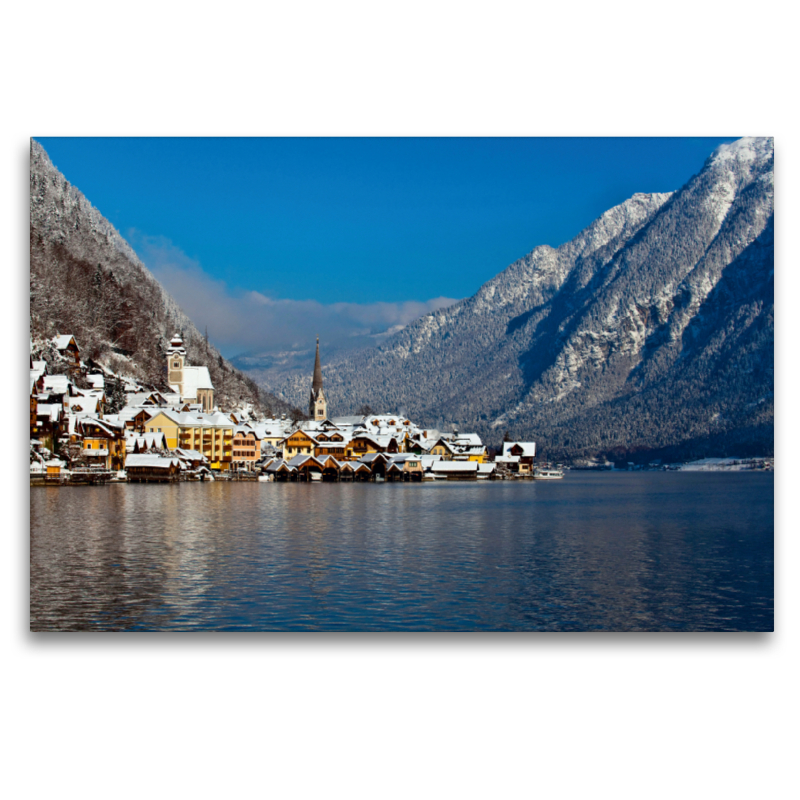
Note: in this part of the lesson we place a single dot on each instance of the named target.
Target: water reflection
(593, 552)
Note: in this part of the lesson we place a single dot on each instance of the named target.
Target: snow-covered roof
(401, 458)
(477, 450)
(176, 345)
(196, 419)
(150, 460)
(85, 403)
(278, 464)
(244, 430)
(350, 421)
(51, 411)
(368, 458)
(298, 461)
(145, 441)
(528, 448)
(58, 384)
(37, 370)
(62, 342)
(194, 379)
(456, 466)
(468, 439)
(151, 399)
(191, 455)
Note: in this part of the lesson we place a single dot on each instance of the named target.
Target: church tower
(176, 360)
(317, 405)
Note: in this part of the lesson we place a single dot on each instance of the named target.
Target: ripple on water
(641, 551)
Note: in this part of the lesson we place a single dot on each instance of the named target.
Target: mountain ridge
(599, 345)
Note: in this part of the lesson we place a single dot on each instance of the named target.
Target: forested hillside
(649, 334)
(86, 280)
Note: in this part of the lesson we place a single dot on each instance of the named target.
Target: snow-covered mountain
(651, 331)
(86, 280)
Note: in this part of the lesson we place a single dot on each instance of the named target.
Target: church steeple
(317, 382)
(317, 406)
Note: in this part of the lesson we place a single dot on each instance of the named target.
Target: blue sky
(254, 235)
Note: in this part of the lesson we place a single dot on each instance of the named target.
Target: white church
(193, 384)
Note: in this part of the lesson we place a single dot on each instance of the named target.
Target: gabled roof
(195, 378)
(279, 465)
(299, 461)
(370, 458)
(62, 342)
(85, 403)
(300, 430)
(528, 448)
(109, 428)
(326, 461)
(191, 455)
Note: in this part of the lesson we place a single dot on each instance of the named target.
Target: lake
(639, 551)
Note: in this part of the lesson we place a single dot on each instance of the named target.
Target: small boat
(315, 476)
(543, 474)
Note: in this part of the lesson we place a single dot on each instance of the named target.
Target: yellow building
(298, 443)
(209, 434)
(103, 443)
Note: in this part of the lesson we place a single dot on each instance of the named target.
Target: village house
(298, 443)
(246, 448)
(517, 458)
(67, 348)
(209, 434)
(173, 435)
(150, 468)
(103, 443)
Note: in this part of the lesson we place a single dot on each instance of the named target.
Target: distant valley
(650, 333)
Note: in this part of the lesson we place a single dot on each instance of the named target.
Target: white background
(557, 715)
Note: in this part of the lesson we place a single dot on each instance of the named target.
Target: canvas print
(401, 384)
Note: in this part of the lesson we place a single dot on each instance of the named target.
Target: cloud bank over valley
(265, 331)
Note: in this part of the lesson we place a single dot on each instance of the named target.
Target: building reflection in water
(592, 552)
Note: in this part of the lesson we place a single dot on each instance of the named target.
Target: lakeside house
(177, 432)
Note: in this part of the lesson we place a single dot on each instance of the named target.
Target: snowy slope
(651, 329)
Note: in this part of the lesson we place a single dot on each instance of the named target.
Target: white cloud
(240, 320)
